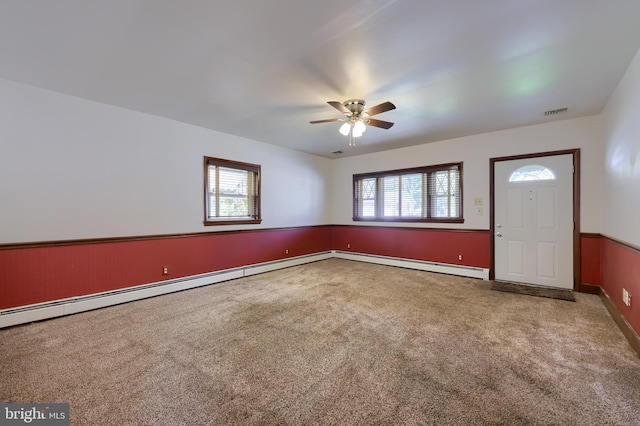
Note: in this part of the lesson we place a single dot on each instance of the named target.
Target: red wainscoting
(620, 265)
(590, 259)
(35, 273)
(434, 245)
(32, 273)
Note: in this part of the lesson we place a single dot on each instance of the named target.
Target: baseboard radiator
(442, 268)
(73, 305)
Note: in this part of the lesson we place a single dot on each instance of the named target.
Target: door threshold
(534, 290)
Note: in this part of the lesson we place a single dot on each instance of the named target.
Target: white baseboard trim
(73, 305)
(443, 268)
(286, 263)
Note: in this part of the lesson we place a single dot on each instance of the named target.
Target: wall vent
(555, 111)
(338, 152)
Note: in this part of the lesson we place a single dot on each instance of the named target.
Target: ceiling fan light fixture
(358, 128)
(345, 128)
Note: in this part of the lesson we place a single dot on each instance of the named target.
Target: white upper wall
(475, 151)
(73, 169)
(621, 182)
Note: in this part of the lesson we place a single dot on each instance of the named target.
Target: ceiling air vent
(555, 111)
(337, 152)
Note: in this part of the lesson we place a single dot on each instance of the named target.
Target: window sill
(226, 221)
(410, 220)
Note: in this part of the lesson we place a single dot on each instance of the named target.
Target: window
(232, 192)
(532, 172)
(424, 194)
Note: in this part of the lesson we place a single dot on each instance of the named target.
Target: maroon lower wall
(35, 273)
(620, 268)
(434, 245)
(590, 259)
(32, 274)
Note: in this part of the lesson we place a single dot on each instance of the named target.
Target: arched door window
(532, 172)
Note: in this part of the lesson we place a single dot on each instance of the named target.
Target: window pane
(454, 200)
(444, 189)
(391, 195)
(212, 205)
(442, 182)
(412, 195)
(233, 186)
(441, 207)
(368, 208)
(233, 181)
(532, 172)
(367, 191)
(233, 207)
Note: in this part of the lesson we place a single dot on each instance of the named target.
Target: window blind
(430, 193)
(232, 190)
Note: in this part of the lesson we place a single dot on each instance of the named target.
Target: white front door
(533, 230)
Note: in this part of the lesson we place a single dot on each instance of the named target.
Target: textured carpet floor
(530, 290)
(332, 342)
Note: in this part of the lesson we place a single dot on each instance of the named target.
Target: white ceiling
(263, 69)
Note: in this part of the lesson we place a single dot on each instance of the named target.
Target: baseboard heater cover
(286, 263)
(73, 305)
(443, 268)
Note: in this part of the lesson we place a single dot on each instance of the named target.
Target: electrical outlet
(479, 211)
(286, 251)
(626, 297)
(165, 270)
(348, 246)
(477, 201)
(459, 257)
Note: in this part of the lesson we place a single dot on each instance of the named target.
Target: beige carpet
(333, 342)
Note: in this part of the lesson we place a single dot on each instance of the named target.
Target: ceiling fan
(357, 118)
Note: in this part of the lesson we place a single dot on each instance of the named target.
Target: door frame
(576, 208)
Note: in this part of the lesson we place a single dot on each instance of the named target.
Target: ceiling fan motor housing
(356, 106)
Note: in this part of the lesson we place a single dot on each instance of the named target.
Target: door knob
(498, 234)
